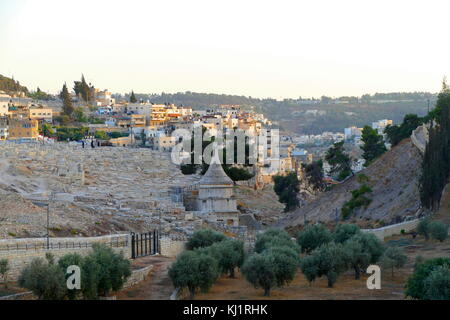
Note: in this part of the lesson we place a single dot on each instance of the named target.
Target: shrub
(204, 238)
(437, 284)
(438, 230)
(358, 200)
(4, 269)
(343, 232)
(415, 286)
(422, 228)
(393, 258)
(229, 255)
(44, 279)
(194, 270)
(312, 237)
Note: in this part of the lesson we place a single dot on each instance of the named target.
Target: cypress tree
(67, 101)
(133, 97)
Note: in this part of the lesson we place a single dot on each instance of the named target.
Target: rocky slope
(395, 193)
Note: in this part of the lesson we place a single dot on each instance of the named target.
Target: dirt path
(156, 287)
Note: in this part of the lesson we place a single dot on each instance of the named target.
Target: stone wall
(138, 276)
(20, 252)
(172, 247)
(384, 232)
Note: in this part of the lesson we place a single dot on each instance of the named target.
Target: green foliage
(114, 269)
(423, 228)
(204, 238)
(258, 269)
(79, 116)
(274, 238)
(39, 95)
(345, 231)
(237, 174)
(397, 133)
(133, 97)
(314, 175)
(438, 230)
(415, 286)
(194, 270)
(309, 266)
(339, 161)
(437, 284)
(115, 134)
(82, 89)
(436, 160)
(358, 200)
(10, 86)
(229, 255)
(4, 269)
(371, 244)
(313, 236)
(72, 134)
(286, 261)
(101, 135)
(357, 256)
(72, 259)
(287, 189)
(45, 280)
(393, 258)
(330, 261)
(373, 145)
(67, 101)
(46, 130)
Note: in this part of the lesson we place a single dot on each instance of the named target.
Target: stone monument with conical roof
(215, 194)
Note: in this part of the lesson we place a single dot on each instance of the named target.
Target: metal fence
(145, 244)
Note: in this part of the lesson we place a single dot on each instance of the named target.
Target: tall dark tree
(436, 160)
(373, 145)
(339, 161)
(67, 101)
(133, 97)
(82, 89)
(287, 188)
(314, 175)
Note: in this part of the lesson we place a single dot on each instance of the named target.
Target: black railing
(116, 243)
(145, 244)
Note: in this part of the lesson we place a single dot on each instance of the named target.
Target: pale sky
(279, 49)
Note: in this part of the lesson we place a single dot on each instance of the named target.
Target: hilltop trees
(287, 188)
(339, 161)
(397, 133)
(373, 145)
(83, 90)
(67, 101)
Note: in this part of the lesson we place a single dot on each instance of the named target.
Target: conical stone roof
(215, 176)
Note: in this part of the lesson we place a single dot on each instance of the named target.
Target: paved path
(156, 287)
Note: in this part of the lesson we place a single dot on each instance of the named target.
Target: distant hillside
(395, 194)
(10, 86)
(312, 116)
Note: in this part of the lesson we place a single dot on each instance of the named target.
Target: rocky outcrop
(395, 197)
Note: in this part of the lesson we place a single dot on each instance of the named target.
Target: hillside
(10, 86)
(395, 195)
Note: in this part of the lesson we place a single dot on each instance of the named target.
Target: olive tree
(204, 238)
(437, 284)
(274, 238)
(331, 261)
(229, 255)
(423, 228)
(345, 231)
(310, 268)
(312, 237)
(259, 269)
(194, 270)
(357, 257)
(46, 280)
(393, 258)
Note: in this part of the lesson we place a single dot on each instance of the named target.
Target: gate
(145, 244)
